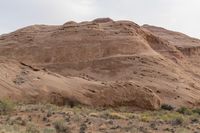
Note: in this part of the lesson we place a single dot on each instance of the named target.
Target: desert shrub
(6, 106)
(194, 120)
(83, 128)
(5, 128)
(71, 102)
(32, 129)
(113, 115)
(146, 118)
(185, 111)
(167, 107)
(177, 121)
(117, 115)
(61, 127)
(51, 107)
(170, 116)
(197, 110)
(49, 130)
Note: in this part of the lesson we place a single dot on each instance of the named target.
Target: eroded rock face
(187, 45)
(102, 63)
(127, 94)
(21, 82)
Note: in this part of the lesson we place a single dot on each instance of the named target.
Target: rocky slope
(106, 62)
(187, 45)
(24, 83)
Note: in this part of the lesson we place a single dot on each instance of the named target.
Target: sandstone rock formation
(104, 63)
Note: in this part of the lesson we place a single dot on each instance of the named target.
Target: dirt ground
(53, 119)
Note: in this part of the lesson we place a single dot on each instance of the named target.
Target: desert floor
(40, 118)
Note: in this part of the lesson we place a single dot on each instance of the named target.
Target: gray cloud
(178, 15)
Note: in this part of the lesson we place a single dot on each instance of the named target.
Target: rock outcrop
(102, 63)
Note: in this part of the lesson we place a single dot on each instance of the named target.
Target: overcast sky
(178, 15)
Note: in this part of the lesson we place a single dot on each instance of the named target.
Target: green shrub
(167, 107)
(197, 110)
(177, 121)
(184, 110)
(6, 106)
(32, 129)
(61, 127)
(49, 130)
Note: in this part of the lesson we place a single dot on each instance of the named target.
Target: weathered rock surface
(103, 63)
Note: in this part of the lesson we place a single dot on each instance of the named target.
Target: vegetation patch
(185, 111)
(167, 107)
(6, 106)
(61, 127)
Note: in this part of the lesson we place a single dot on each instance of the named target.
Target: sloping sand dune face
(102, 63)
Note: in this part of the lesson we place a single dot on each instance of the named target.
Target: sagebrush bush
(197, 110)
(49, 130)
(177, 121)
(6, 106)
(185, 111)
(61, 127)
(32, 129)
